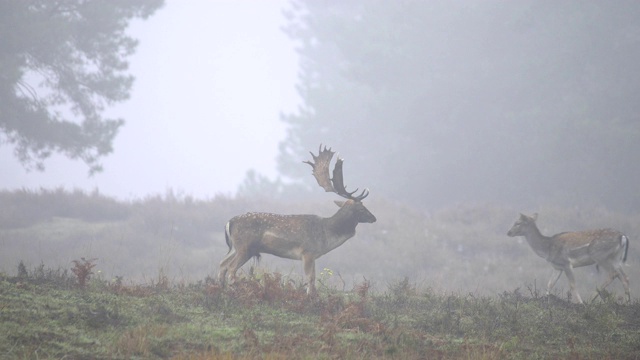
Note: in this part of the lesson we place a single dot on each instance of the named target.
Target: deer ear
(339, 203)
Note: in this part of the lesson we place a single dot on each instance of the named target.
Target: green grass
(266, 317)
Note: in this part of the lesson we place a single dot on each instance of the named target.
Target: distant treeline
(25, 207)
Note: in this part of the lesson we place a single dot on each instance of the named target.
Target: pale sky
(212, 78)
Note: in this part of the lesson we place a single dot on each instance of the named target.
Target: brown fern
(82, 270)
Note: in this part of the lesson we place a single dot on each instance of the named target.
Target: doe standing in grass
(606, 248)
(297, 237)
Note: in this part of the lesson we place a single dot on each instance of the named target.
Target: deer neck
(338, 229)
(539, 243)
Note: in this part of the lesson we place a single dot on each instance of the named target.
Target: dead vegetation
(82, 270)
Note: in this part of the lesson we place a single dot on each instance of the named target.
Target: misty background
(456, 116)
(436, 103)
(431, 103)
(211, 78)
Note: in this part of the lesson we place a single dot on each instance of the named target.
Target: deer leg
(552, 282)
(612, 275)
(617, 272)
(240, 259)
(309, 263)
(625, 282)
(572, 283)
(224, 266)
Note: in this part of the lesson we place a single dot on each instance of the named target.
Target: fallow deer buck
(606, 248)
(297, 237)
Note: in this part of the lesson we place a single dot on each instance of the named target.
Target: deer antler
(338, 183)
(320, 167)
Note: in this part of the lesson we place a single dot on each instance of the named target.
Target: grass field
(46, 315)
(441, 284)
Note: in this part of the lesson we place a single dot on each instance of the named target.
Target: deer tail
(227, 235)
(625, 242)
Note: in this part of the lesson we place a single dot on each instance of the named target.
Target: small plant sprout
(326, 272)
(325, 276)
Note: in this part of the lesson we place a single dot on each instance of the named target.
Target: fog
(212, 78)
(441, 103)
(525, 103)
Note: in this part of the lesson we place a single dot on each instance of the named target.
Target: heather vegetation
(87, 276)
(45, 314)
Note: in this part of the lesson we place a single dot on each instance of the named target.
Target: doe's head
(522, 226)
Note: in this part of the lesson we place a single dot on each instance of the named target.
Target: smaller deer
(606, 248)
(297, 237)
